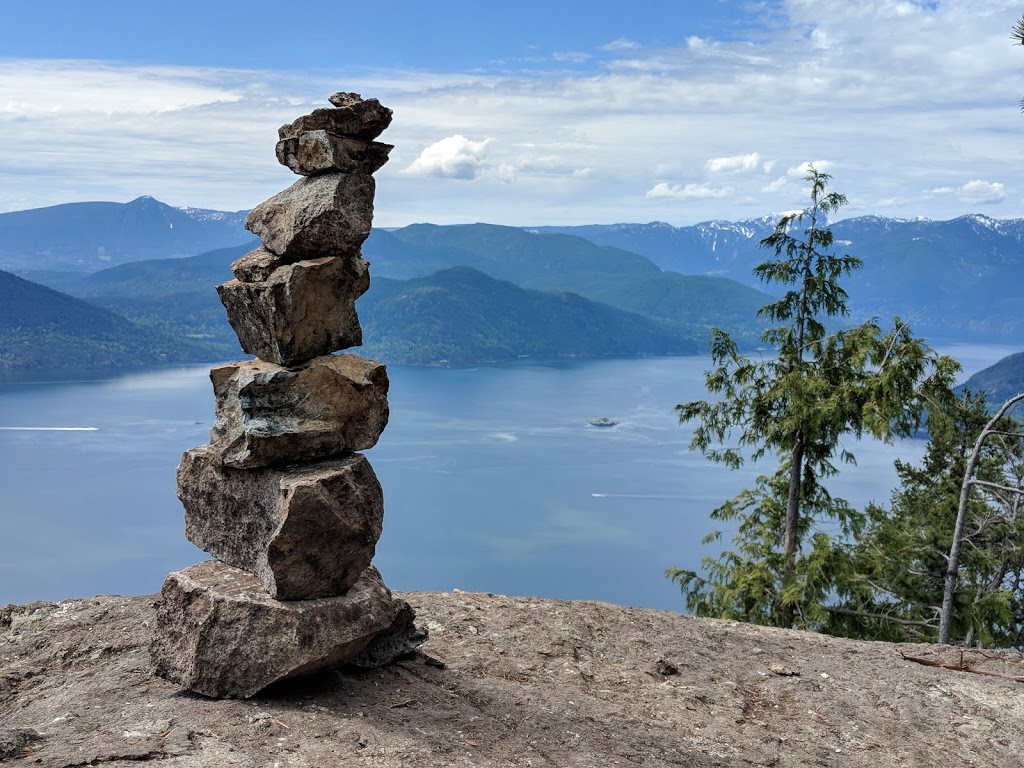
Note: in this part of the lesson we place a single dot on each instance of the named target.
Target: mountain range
(462, 294)
(950, 279)
(86, 237)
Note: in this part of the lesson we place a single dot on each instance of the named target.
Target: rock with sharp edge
(326, 215)
(301, 311)
(218, 633)
(304, 531)
(267, 414)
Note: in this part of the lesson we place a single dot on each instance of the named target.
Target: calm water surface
(493, 480)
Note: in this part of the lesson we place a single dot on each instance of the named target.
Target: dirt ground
(512, 682)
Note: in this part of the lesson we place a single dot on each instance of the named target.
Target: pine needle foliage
(821, 385)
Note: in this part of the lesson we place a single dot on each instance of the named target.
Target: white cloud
(801, 170)
(983, 191)
(539, 165)
(571, 57)
(899, 96)
(775, 186)
(977, 191)
(622, 44)
(41, 88)
(688, 191)
(454, 157)
(734, 164)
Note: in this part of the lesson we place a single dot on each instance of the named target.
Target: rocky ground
(512, 682)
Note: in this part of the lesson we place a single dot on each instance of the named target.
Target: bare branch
(997, 486)
(930, 624)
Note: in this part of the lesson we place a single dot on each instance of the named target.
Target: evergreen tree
(821, 385)
(901, 558)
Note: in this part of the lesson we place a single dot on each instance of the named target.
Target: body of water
(494, 480)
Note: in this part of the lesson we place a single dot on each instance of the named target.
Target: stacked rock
(279, 496)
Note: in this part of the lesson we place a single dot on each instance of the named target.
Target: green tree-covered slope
(633, 307)
(999, 382)
(558, 262)
(41, 328)
(461, 316)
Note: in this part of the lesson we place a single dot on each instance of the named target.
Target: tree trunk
(953, 567)
(790, 541)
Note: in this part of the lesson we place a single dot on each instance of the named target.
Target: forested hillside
(41, 328)
(461, 316)
(597, 301)
(952, 280)
(999, 382)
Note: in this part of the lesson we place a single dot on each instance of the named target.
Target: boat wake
(639, 496)
(50, 429)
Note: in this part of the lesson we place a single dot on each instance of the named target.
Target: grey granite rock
(301, 311)
(256, 266)
(313, 152)
(217, 633)
(267, 414)
(326, 215)
(352, 116)
(304, 531)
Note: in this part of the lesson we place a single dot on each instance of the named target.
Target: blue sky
(526, 113)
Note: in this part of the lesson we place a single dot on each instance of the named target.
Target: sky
(526, 113)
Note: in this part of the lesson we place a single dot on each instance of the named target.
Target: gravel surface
(512, 682)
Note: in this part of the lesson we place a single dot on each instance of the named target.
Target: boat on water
(603, 422)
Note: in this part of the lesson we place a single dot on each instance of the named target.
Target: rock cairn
(279, 496)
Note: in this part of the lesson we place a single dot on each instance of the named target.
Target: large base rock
(317, 215)
(217, 633)
(301, 311)
(267, 414)
(305, 531)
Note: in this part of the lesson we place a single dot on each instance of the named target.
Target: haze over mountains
(951, 279)
(86, 237)
(463, 294)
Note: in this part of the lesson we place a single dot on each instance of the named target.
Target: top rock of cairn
(338, 139)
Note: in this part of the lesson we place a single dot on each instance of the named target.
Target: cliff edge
(512, 682)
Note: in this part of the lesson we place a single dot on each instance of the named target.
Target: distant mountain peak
(145, 200)
(85, 237)
(982, 220)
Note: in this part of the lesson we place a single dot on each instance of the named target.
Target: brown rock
(314, 152)
(330, 214)
(304, 531)
(352, 116)
(256, 266)
(267, 414)
(344, 98)
(402, 639)
(301, 311)
(217, 633)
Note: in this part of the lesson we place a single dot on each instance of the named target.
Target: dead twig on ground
(962, 667)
